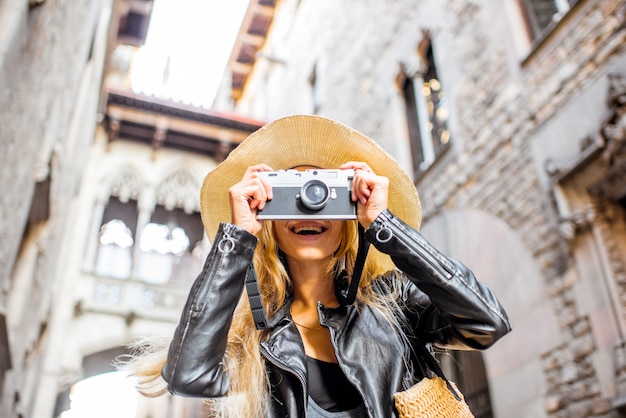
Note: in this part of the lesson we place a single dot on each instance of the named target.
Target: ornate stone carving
(616, 263)
(612, 185)
(586, 190)
(617, 90)
(614, 130)
(179, 190)
(126, 185)
(108, 293)
(605, 152)
(114, 129)
(590, 147)
(162, 298)
(578, 221)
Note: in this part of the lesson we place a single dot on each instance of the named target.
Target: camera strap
(254, 296)
(347, 297)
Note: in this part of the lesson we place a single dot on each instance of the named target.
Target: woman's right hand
(247, 196)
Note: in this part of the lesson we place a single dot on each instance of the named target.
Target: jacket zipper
(208, 276)
(407, 355)
(192, 313)
(276, 362)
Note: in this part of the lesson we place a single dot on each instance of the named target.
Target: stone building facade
(510, 115)
(52, 55)
(136, 241)
(88, 166)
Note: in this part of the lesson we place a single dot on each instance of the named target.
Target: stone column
(145, 208)
(89, 261)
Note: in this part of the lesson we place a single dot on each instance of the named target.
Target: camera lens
(314, 194)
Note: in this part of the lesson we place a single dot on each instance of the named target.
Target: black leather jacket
(449, 308)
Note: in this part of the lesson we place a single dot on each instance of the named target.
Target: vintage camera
(309, 194)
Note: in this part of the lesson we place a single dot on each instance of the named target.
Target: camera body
(309, 194)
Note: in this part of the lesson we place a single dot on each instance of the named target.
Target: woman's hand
(247, 196)
(371, 192)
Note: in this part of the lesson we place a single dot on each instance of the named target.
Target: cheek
(336, 237)
(280, 232)
(281, 241)
(337, 230)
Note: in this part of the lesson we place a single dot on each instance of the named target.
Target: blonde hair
(243, 361)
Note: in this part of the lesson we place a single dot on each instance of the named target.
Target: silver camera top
(312, 193)
(297, 178)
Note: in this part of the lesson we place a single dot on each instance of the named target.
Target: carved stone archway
(499, 257)
(589, 193)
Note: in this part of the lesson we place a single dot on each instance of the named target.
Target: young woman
(320, 355)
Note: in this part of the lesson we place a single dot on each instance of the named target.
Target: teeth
(309, 229)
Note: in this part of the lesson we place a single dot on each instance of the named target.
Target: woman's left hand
(371, 192)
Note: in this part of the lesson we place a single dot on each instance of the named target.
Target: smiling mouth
(308, 230)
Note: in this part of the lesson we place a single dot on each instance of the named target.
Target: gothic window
(170, 246)
(112, 242)
(426, 110)
(542, 15)
(158, 244)
(170, 243)
(116, 239)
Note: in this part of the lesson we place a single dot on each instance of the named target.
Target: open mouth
(308, 230)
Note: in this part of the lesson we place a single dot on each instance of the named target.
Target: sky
(196, 37)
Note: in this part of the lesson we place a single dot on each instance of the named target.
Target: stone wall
(51, 60)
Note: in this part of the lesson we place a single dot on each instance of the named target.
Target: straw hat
(305, 140)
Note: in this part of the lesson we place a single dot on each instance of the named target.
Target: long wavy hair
(243, 361)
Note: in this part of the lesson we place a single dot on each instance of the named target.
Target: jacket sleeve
(194, 360)
(453, 309)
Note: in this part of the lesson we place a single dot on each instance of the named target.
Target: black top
(329, 387)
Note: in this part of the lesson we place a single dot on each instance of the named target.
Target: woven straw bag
(431, 398)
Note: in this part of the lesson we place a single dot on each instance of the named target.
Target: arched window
(158, 246)
(116, 239)
(170, 247)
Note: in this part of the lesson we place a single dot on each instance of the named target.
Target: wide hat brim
(305, 140)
